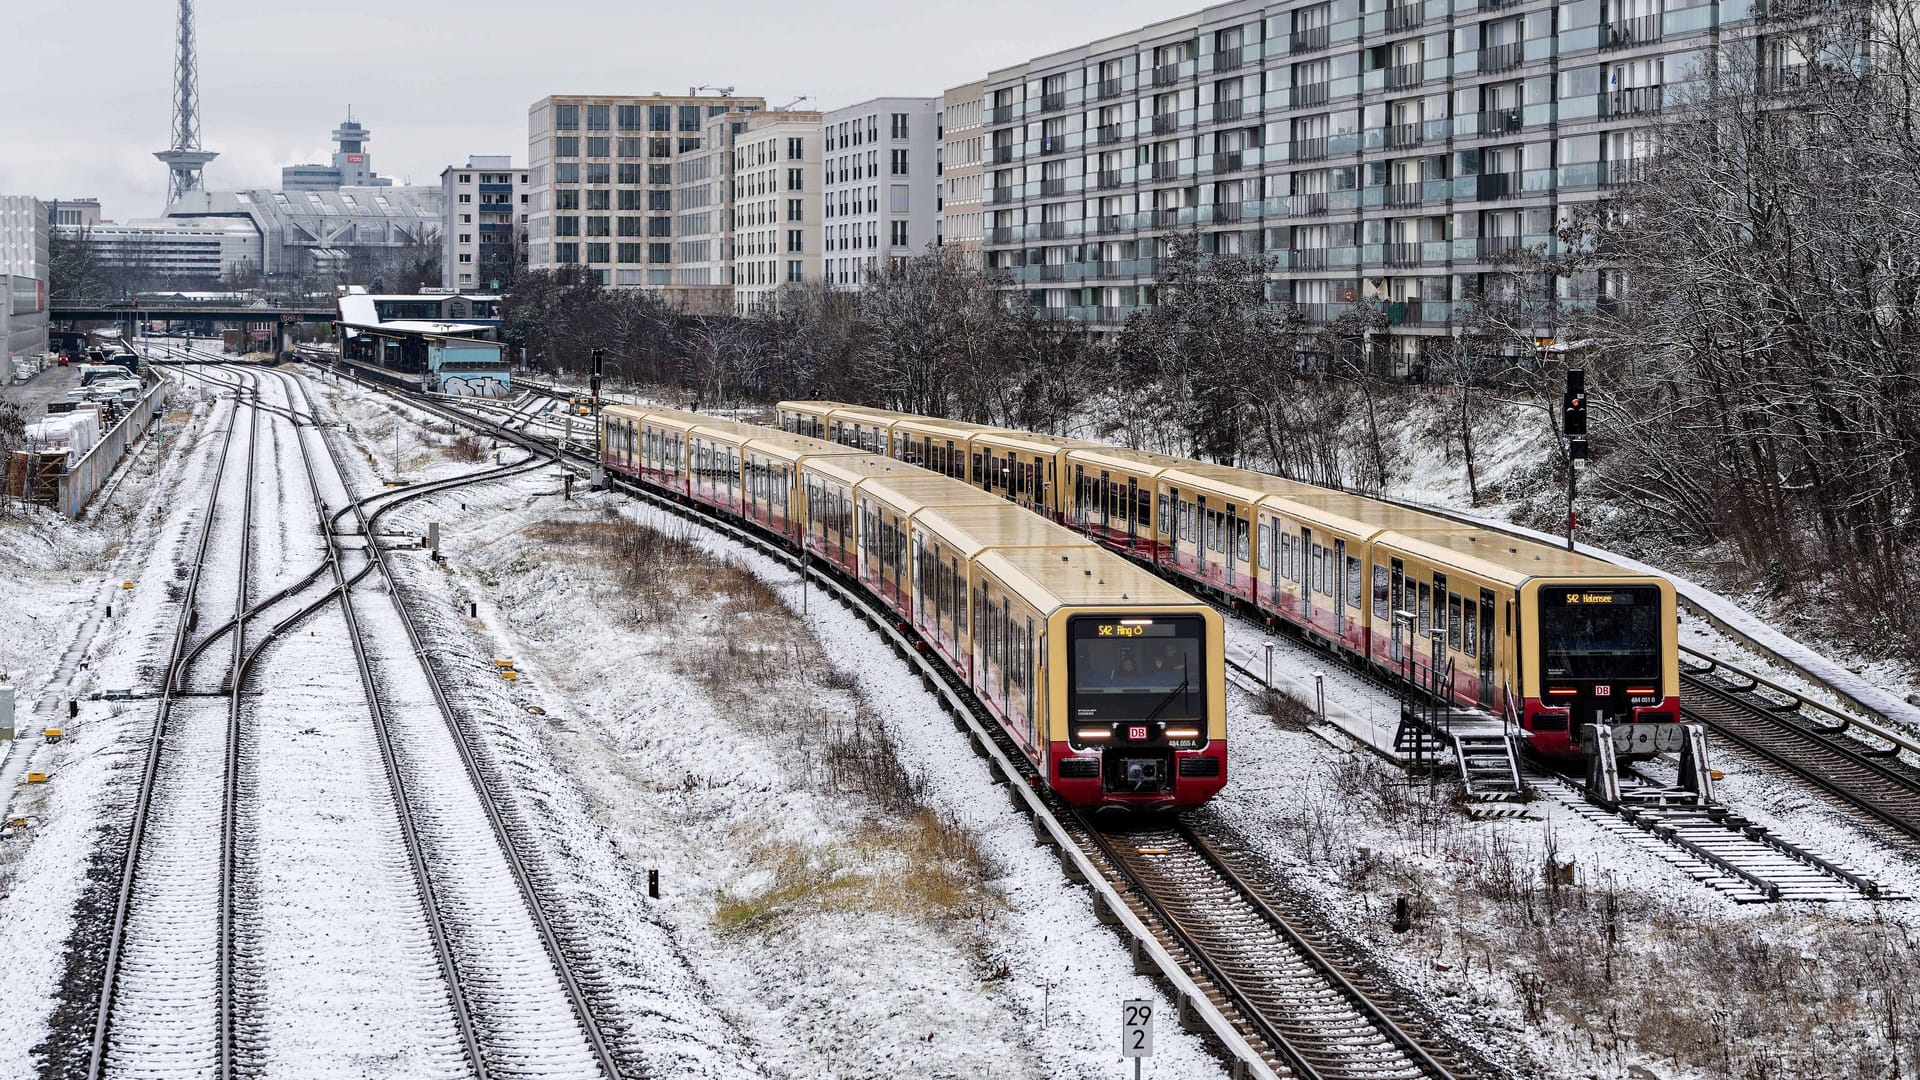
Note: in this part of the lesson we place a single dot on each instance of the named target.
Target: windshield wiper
(1171, 695)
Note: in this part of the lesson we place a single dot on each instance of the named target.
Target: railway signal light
(1574, 411)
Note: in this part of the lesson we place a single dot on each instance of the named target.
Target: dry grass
(467, 449)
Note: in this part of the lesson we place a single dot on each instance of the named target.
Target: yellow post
(36, 778)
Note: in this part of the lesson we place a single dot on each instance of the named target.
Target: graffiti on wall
(489, 386)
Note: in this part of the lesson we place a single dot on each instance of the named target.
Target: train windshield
(1603, 633)
(1138, 668)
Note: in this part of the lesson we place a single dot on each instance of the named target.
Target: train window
(1318, 580)
(1470, 630)
(1453, 621)
(1509, 631)
(1426, 607)
(1241, 549)
(1381, 584)
(1353, 582)
(1143, 508)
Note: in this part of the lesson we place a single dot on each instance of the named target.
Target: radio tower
(185, 158)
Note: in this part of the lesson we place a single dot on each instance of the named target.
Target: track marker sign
(1136, 1030)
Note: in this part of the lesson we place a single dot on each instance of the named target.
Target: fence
(83, 480)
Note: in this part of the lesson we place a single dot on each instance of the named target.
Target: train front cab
(1600, 650)
(884, 508)
(945, 543)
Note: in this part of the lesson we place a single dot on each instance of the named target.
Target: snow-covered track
(167, 1000)
(1812, 742)
(522, 994)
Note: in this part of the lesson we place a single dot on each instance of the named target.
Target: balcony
(1308, 149)
(1308, 259)
(1053, 272)
(1107, 133)
(1307, 206)
(999, 196)
(1501, 57)
(1111, 88)
(1495, 248)
(1402, 254)
(1405, 16)
(1499, 185)
(1053, 144)
(1161, 219)
(1109, 178)
(1229, 59)
(1229, 110)
(1399, 135)
(1165, 122)
(1166, 74)
(1000, 235)
(1627, 33)
(1230, 161)
(1000, 155)
(1053, 230)
(1309, 94)
(1053, 102)
(1166, 170)
(1499, 121)
(1053, 187)
(1229, 211)
(1404, 194)
(1312, 38)
(1404, 75)
(1622, 172)
(1634, 102)
(1000, 114)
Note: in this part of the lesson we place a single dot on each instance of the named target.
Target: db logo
(1138, 733)
(1603, 691)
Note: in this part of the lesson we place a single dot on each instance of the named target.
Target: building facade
(23, 278)
(882, 185)
(962, 179)
(602, 180)
(776, 206)
(175, 253)
(352, 164)
(483, 237)
(73, 213)
(1379, 151)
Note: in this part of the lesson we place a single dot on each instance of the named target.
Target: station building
(441, 343)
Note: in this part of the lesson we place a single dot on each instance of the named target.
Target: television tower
(185, 159)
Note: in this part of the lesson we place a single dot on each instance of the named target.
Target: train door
(1270, 554)
(1397, 603)
(1133, 512)
(1203, 526)
(1339, 576)
(1485, 636)
(1306, 580)
(1103, 497)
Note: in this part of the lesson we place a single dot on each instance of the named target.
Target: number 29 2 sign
(1136, 1028)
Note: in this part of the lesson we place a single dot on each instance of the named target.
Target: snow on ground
(54, 576)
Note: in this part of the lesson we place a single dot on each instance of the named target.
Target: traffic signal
(1573, 413)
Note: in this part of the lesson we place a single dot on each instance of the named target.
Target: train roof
(864, 414)
(822, 407)
(1243, 485)
(1151, 462)
(1356, 515)
(917, 489)
(859, 466)
(1049, 578)
(791, 447)
(1510, 560)
(954, 429)
(973, 528)
(1030, 441)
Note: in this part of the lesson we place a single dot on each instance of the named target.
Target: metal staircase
(1485, 747)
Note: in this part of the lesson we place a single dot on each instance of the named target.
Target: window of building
(689, 118)
(599, 173)
(466, 238)
(659, 253)
(567, 225)
(632, 118)
(597, 200)
(566, 146)
(566, 253)
(660, 226)
(796, 241)
(873, 128)
(465, 197)
(630, 199)
(465, 178)
(599, 118)
(629, 253)
(466, 256)
(796, 179)
(796, 210)
(899, 162)
(659, 148)
(796, 149)
(599, 253)
(566, 118)
(660, 200)
(566, 172)
(628, 173)
(466, 219)
(659, 174)
(659, 118)
(566, 199)
(631, 226)
(599, 226)
(899, 230)
(597, 146)
(795, 270)
(631, 146)
(899, 125)
(688, 144)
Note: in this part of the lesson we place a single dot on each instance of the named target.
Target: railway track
(172, 1000)
(1241, 970)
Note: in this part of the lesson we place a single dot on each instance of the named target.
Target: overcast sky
(88, 82)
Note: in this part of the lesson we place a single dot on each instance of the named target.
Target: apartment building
(1377, 149)
(962, 179)
(777, 206)
(602, 183)
(483, 240)
(882, 185)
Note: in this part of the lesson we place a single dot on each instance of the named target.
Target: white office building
(483, 240)
(882, 188)
(23, 279)
(776, 207)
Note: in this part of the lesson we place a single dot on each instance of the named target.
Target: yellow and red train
(1111, 681)
(1551, 639)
